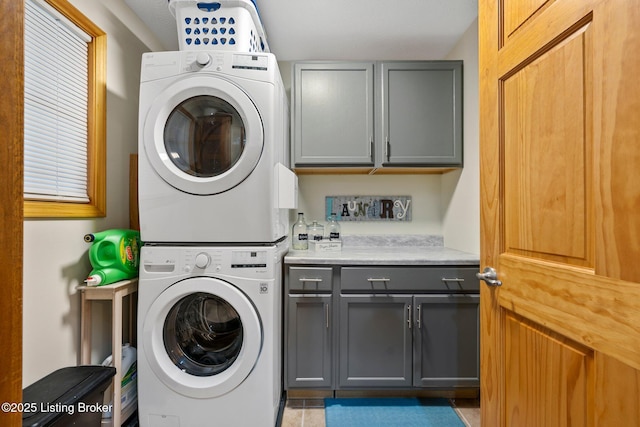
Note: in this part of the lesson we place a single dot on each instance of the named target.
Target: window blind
(55, 107)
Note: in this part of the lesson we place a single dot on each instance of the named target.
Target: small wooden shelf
(115, 293)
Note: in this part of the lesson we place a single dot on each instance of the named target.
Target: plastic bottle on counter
(299, 236)
(332, 230)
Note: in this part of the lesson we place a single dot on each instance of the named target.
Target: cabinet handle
(409, 315)
(387, 149)
(326, 315)
(373, 280)
(444, 279)
(304, 279)
(370, 147)
(419, 319)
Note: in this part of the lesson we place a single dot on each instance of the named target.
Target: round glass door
(203, 135)
(203, 334)
(202, 337)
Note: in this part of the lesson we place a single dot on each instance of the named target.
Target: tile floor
(310, 412)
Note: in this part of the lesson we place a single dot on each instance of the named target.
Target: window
(65, 112)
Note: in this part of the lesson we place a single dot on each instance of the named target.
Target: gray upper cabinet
(421, 114)
(377, 114)
(333, 115)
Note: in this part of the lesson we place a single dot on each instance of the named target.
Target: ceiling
(343, 29)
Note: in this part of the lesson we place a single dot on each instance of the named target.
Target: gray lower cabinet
(308, 327)
(381, 327)
(309, 349)
(447, 341)
(405, 341)
(375, 341)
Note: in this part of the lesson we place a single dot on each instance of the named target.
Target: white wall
(423, 189)
(55, 255)
(461, 189)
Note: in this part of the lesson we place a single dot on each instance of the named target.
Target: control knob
(202, 260)
(203, 59)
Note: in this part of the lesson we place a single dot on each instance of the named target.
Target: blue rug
(389, 412)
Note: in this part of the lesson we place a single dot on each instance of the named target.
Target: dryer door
(203, 337)
(203, 135)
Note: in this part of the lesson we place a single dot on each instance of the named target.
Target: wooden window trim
(97, 132)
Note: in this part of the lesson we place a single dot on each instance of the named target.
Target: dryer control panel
(246, 61)
(254, 66)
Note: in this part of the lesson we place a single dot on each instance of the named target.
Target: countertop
(386, 250)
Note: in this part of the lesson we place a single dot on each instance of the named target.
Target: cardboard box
(325, 245)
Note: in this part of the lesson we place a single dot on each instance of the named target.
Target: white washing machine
(209, 328)
(213, 138)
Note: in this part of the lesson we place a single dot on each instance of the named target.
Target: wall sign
(369, 208)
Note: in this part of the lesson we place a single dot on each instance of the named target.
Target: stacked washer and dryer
(214, 192)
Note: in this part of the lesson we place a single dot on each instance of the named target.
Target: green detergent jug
(114, 256)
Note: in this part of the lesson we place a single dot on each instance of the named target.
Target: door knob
(490, 277)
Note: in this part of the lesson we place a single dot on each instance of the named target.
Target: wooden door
(11, 227)
(560, 194)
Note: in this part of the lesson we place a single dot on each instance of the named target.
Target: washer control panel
(241, 261)
(248, 259)
(202, 260)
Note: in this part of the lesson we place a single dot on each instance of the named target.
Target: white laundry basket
(226, 25)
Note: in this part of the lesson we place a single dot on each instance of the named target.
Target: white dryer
(209, 328)
(213, 132)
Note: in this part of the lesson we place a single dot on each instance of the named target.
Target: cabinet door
(375, 341)
(447, 346)
(308, 338)
(333, 113)
(421, 114)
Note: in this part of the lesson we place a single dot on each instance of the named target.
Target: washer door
(202, 337)
(203, 135)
